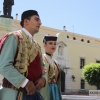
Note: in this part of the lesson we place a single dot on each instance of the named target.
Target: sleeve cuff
(25, 82)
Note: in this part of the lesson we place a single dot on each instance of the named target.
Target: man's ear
(26, 21)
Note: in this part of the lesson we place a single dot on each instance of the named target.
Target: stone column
(6, 25)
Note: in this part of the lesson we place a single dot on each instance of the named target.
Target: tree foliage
(91, 73)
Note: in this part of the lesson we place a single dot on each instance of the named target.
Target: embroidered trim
(52, 70)
(27, 52)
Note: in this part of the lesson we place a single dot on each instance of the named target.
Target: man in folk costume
(21, 62)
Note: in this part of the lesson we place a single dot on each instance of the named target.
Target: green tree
(91, 74)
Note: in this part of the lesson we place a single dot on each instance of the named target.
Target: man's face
(34, 24)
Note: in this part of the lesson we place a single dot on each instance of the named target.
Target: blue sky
(84, 15)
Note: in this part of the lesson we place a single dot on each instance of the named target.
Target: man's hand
(40, 83)
(30, 88)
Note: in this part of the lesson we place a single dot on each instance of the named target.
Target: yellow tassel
(20, 95)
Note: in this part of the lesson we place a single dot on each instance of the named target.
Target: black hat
(27, 14)
(49, 38)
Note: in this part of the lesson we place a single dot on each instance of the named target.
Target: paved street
(73, 97)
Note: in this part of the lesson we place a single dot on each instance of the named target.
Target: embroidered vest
(53, 71)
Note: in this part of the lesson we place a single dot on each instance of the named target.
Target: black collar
(49, 54)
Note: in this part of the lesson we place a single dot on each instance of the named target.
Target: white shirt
(31, 38)
(29, 34)
(50, 59)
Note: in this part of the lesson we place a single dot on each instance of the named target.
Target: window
(88, 41)
(97, 61)
(82, 62)
(82, 40)
(82, 84)
(67, 36)
(74, 38)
